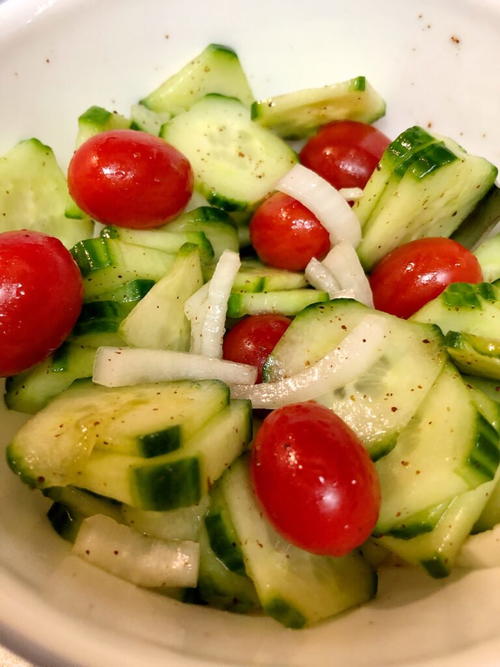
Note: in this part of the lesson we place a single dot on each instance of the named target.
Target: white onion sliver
(219, 289)
(343, 263)
(327, 204)
(321, 278)
(123, 366)
(195, 310)
(140, 559)
(195, 301)
(356, 353)
(351, 194)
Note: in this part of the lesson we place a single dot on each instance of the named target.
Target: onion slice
(343, 263)
(351, 194)
(322, 279)
(140, 559)
(219, 289)
(325, 201)
(195, 309)
(123, 366)
(355, 354)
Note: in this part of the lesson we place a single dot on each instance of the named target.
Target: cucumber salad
(258, 343)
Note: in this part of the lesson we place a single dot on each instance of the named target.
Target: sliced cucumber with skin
(380, 403)
(86, 416)
(391, 168)
(295, 587)
(178, 479)
(446, 449)
(34, 194)
(437, 550)
(32, 390)
(297, 115)
(439, 188)
(488, 256)
(161, 238)
(472, 309)
(99, 323)
(284, 302)
(235, 161)
(474, 355)
(146, 120)
(480, 221)
(106, 264)
(221, 588)
(222, 536)
(180, 524)
(158, 321)
(216, 69)
(131, 292)
(97, 119)
(214, 223)
(254, 276)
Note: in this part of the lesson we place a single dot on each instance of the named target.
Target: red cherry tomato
(130, 179)
(41, 294)
(345, 153)
(314, 479)
(417, 272)
(253, 339)
(285, 234)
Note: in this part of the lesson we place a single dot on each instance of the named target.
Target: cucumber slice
(297, 115)
(436, 551)
(382, 401)
(214, 223)
(97, 119)
(417, 474)
(86, 416)
(137, 558)
(480, 221)
(178, 479)
(222, 536)
(146, 120)
(284, 302)
(161, 238)
(65, 521)
(475, 355)
(181, 524)
(221, 588)
(440, 187)
(235, 161)
(132, 291)
(472, 309)
(488, 256)
(34, 194)
(254, 276)
(158, 320)
(108, 263)
(216, 69)
(295, 587)
(32, 390)
(99, 323)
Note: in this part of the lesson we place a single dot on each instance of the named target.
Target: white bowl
(435, 64)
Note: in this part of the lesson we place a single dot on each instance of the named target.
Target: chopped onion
(219, 289)
(327, 204)
(123, 366)
(355, 354)
(140, 559)
(343, 263)
(351, 194)
(321, 278)
(195, 309)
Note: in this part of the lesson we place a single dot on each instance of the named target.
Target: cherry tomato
(130, 179)
(285, 234)
(253, 339)
(417, 272)
(41, 294)
(314, 479)
(345, 153)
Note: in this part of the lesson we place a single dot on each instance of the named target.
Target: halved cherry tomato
(130, 179)
(253, 339)
(345, 153)
(41, 295)
(285, 234)
(417, 272)
(314, 479)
